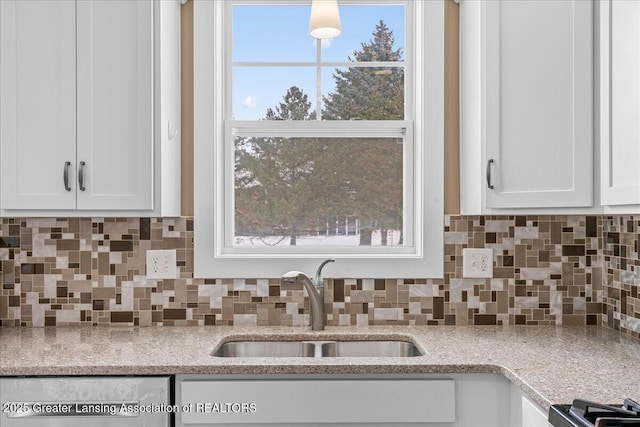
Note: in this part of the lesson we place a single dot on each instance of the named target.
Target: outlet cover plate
(161, 264)
(477, 263)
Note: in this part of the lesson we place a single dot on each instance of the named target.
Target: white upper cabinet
(115, 104)
(82, 129)
(527, 115)
(38, 104)
(620, 101)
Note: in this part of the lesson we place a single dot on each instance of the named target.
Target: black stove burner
(589, 414)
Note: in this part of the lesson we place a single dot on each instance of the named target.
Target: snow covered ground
(393, 237)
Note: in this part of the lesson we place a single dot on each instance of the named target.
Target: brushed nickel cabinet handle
(489, 185)
(65, 176)
(81, 176)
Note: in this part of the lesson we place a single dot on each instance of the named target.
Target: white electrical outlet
(477, 262)
(161, 264)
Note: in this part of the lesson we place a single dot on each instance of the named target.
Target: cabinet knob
(489, 185)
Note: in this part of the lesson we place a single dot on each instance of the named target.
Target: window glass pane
(289, 92)
(369, 33)
(363, 93)
(318, 191)
(281, 33)
(272, 33)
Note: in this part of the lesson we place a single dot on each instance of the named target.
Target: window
(309, 149)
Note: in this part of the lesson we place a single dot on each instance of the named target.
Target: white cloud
(324, 43)
(250, 102)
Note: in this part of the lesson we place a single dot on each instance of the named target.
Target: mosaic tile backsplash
(547, 270)
(621, 297)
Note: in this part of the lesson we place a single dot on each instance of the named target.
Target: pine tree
(369, 93)
(374, 93)
(282, 185)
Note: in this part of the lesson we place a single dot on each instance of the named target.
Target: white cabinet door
(37, 104)
(115, 104)
(620, 101)
(537, 103)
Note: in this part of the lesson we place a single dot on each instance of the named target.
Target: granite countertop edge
(549, 364)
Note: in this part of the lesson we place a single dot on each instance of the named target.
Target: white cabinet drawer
(318, 401)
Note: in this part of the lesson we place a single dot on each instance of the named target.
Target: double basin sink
(369, 348)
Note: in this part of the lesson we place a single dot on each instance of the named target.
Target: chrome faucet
(315, 290)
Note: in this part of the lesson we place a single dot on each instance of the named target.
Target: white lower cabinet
(460, 400)
(532, 414)
(524, 411)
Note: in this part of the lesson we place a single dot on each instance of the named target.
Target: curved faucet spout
(315, 290)
(317, 280)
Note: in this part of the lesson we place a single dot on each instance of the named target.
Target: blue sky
(281, 33)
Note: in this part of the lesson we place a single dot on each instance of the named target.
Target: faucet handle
(318, 278)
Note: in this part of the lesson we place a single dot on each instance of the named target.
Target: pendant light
(325, 19)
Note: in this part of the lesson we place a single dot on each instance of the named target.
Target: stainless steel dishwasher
(83, 401)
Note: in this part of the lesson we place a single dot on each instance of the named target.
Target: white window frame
(422, 256)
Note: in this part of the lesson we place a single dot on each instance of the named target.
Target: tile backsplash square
(547, 270)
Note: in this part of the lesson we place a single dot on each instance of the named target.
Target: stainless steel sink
(372, 348)
(265, 349)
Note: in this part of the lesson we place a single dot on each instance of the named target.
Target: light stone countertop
(550, 364)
